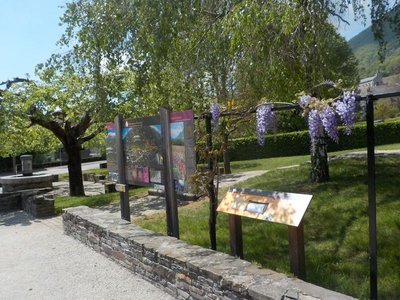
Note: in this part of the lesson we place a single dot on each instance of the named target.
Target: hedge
(298, 143)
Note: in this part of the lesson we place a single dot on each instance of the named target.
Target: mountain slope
(365, 49)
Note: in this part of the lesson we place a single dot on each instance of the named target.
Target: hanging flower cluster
(322, 115)
(345, 108)
(214, 113)
(265, 120)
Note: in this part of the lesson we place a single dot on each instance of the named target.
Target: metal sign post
(123, 192)
(372, 199)
(212, 220)
(170, 197)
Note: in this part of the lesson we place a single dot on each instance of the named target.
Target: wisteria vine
(265, 120)
(214, 113)
(322, 116)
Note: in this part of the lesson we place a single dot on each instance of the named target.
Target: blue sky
(29, 31)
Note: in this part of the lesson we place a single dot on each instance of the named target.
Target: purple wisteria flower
(328, 119)
(214, 113)
(345, 108)
(266, 120)
(304, 100)
(314, 125)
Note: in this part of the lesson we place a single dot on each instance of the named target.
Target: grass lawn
(92, 201)
(277, 162)
(336, 224)
(64, 177)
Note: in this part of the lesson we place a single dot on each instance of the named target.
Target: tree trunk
(75, 171)
(225, 155)
(319, 162)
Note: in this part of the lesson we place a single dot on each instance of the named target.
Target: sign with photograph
(142, 146)
(142, 141)
(277, 207)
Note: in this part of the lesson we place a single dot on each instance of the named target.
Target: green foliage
(386, 109)
(298, 143)
(184, 54)
(336, 227)
(16, 134)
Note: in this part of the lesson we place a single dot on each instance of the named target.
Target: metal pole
(123, 195)
(372, 199)
(212, 220)
(170, 197)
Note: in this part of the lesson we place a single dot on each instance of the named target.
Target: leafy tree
(278, 56)
(64, 104)
(16, 134)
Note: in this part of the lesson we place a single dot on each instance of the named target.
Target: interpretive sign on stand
(155, 151)
(142, 141)
(277, 207)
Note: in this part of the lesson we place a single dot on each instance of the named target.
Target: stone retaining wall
(34, 202)
(184, 271)
(37, 205)
(10, 201)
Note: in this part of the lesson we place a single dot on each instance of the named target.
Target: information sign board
(143, 150)
(277, 207)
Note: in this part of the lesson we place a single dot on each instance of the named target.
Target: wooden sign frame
(277, 207)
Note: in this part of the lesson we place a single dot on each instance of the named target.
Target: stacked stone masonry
(10, 201)
(184, 271)
(35, 202)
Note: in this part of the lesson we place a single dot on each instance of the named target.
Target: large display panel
(142, 138)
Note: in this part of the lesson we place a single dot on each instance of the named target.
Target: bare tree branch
(83, 124)
(51, 125)
(9, 83)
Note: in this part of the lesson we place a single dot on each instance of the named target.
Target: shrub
(298, 143)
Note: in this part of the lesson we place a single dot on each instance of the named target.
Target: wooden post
(124, 194)
(296, 251)
(235, 235)
(170, 197)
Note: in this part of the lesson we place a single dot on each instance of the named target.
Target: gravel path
(37, 261)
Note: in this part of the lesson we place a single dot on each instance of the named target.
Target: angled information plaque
(277, 207)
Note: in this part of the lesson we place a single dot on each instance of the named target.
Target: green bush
(298, 143)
